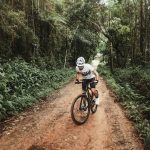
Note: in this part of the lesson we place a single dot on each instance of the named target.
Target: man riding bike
(89, 75)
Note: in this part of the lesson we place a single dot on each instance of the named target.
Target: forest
(126, 58)
(40, 41)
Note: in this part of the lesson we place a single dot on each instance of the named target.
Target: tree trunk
(111, 57)
(33, 16)
(141, 28)
(12, 3)
(65, 58)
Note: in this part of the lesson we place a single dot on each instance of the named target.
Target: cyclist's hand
(96, 81)
(77, 81)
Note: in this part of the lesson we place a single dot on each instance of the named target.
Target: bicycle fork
(83, 104)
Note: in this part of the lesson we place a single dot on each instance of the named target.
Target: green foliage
(51, 29)
(48, 34)
(147, 142)
(81, 16)
(131, 88)
(138, 78)
(14, 31)
(127, 29)
(22, 84)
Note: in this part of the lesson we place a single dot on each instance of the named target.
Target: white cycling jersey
(87, 71)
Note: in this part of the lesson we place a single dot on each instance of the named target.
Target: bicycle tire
(80, 98)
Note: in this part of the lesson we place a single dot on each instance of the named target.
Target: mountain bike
(82, 105)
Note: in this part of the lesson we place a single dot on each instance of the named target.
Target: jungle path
(48, 126)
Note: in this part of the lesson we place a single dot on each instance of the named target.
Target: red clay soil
(48, 126)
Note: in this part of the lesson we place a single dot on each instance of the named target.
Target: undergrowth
(22, 84)
(132, 88)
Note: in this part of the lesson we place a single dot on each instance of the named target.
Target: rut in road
(49, 126)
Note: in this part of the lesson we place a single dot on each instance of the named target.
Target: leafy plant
(130, 87)
(22, 84)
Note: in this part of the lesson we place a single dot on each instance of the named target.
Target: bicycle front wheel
(80, 110)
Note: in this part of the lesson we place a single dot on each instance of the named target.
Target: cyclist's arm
(77, 76)
(96, 75)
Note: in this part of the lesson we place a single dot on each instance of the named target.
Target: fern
(130, 86)
(22, 84)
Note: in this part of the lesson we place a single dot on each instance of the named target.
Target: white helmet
(80, 61)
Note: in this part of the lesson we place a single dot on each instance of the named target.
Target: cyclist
(89, 75)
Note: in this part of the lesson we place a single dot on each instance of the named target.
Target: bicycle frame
(86, 105)
(88, 91)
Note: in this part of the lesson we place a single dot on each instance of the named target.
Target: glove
(77, 81)
(96, 81)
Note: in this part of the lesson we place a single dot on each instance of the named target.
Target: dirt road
(49, 126)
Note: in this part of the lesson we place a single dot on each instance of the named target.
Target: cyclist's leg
(84, 88)
(95, 92)
(84, 85)
(93, 85)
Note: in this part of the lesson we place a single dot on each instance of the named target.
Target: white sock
(97, 101)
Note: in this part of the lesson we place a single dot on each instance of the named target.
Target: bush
(22, 84)
(138, 78)
(131, 87)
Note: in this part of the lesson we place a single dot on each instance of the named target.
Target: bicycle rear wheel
(80, 110)
(93, 105)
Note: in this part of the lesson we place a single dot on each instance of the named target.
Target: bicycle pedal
(93, 100)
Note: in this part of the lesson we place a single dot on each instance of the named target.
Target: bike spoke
(80, 109)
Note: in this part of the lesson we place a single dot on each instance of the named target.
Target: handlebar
(79, 82)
